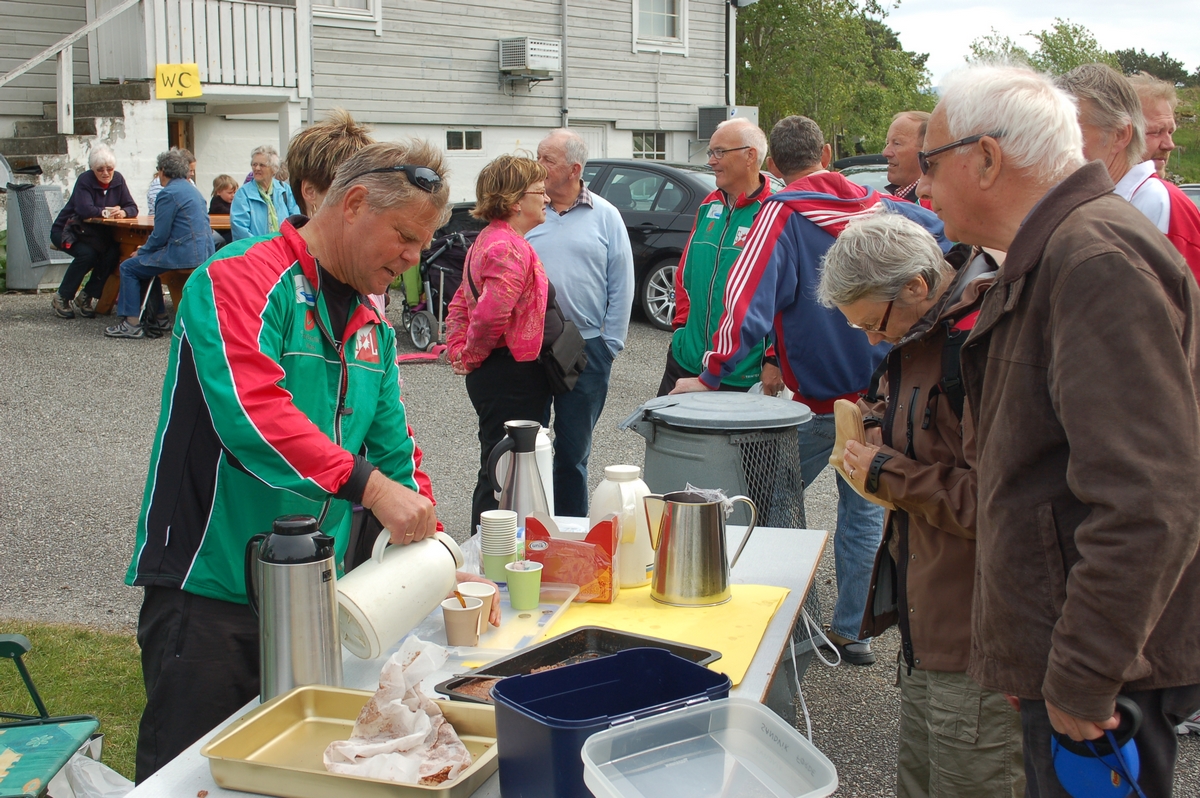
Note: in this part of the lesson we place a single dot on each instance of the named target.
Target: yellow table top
(734, 628)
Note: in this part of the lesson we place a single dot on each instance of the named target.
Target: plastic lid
(726, 410)
(730, 746)
(622, 473)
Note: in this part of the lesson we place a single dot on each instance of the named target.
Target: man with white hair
(904, 139)
(1081, 375)
(584, 247)
(736, 153)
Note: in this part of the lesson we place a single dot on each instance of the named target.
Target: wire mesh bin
(31, 259)
(744, 444)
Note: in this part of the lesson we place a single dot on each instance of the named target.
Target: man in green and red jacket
(736, 153)
(281, 397)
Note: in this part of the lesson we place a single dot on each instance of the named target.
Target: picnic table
(130, 234)
(773, 556)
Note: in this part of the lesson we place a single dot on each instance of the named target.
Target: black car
(658, 202)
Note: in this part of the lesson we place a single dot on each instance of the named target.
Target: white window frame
(463, 132)
(675, 46)
(333, 17)
(666, 143)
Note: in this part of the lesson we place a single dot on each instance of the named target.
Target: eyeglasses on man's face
(422, 177)
(923, 157)
(720, 152)
(880, 328)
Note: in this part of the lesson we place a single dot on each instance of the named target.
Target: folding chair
(33, 748)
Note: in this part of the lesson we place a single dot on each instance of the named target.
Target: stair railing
(64, 50)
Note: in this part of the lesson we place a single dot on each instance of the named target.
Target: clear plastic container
(728, 747)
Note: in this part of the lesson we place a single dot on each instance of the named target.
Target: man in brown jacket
(1081, 375)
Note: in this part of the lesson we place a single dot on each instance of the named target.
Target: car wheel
(658, 294)
(421, 328)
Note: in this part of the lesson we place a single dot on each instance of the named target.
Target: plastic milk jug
(621, 492)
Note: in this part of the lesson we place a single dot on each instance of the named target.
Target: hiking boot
(853, 652)
(125, 330)
(61, 306)
(85, 305)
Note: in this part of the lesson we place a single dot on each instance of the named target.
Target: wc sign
(176, 81)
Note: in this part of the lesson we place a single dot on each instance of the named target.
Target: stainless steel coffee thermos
(291, 584)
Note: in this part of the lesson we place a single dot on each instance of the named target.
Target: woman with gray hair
(99, 192)
(261, 204)
(889, 278)
(182, 239)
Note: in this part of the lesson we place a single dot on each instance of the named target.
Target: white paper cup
(482, 592)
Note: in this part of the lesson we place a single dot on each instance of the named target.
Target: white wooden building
(630, 75)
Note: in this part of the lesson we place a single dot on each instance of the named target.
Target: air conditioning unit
(708, 118)
(530, 56)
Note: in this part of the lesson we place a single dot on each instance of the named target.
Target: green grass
(79, 671)
(1185, 161)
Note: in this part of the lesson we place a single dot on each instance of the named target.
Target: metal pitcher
(687, 531)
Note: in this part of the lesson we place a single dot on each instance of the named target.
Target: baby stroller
(441, 274)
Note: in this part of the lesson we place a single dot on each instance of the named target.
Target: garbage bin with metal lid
(741, 443)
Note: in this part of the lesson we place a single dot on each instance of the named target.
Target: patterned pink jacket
(511, 309)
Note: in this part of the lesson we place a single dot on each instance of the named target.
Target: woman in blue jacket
(182, 239)
(260, 205)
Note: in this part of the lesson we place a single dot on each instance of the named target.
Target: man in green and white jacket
(281, 397)
(736, 153)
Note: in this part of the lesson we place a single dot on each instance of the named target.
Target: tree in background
(833, 61)
(1161, 66)
(1060, 49)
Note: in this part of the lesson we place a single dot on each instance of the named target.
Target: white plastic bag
(83, 777)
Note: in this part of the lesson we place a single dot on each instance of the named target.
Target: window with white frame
(660, 25)
(464, 139)
(361, 14)
(650, 145)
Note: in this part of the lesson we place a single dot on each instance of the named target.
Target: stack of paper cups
(497, 542)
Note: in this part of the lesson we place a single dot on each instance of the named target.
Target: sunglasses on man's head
(422, 177)
(923, 157)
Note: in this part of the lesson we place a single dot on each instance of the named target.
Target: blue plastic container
(543, 719)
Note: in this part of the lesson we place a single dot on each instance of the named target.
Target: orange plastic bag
(587, 563)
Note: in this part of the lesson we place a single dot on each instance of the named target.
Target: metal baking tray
(277, 748)
(577, 645)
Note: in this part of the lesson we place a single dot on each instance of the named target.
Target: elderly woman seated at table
(260, 205)
(182, 239)
(100, 191)
(889, 278)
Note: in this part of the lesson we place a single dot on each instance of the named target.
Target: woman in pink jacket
(496, 320)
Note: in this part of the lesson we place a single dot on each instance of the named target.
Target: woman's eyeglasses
(923, 157)
(422, 177)
(881, 327)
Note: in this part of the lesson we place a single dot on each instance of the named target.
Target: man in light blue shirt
(585, 249)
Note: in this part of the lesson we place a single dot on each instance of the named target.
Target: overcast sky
(946, 28)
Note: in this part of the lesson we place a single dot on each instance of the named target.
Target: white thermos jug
(387, 596)
(621, 492)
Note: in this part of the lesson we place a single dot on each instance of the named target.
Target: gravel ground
(77, 415)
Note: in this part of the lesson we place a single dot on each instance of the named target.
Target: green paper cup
(493, 565)
(524, 584)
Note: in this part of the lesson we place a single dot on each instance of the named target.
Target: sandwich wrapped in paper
(848, 424)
